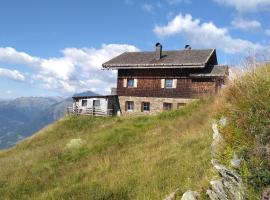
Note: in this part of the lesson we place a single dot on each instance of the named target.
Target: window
(130, 82)
(145, 106)
(84, 103)
(168, 83)
(130, 105)
(96, 103)
(167, 106)
(180, 105)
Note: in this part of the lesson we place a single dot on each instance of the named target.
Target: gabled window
(129, 105)
(145, 106)
(84, 103)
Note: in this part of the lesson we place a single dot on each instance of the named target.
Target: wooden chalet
(150, 82)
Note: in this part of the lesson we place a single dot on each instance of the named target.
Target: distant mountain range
(21, 117)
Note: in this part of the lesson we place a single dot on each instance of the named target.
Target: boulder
(236, 162)
(190, 195)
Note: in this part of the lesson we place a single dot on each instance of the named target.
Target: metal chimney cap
(188, 47)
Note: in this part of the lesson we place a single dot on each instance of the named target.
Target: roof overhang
(153, 66)
(89, 97)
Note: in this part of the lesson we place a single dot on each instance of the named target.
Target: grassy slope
(119, 158)
(246, 104)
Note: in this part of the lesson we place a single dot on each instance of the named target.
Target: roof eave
(206, 75)
(137, 66)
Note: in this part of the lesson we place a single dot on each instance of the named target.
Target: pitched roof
(194, 58)
(212, 71)
(85, 94)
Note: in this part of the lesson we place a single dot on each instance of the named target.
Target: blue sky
(50, 48)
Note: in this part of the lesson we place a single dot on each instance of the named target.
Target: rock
(230, 185)
(236, 162)
(190, 195)
(223, 121)
(266, 194)
(172, 196)
(216, 135)
(217, 138)
(218, 190)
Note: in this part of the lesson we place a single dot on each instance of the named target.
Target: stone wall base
(156, 104)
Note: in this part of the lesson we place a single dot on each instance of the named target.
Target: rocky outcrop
(229, 186)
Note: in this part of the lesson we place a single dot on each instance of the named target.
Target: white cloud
(11, 74)
(246, 24)
(247, 5)
(204, 35)
(77, 70)
(10, 55)
(148, 7)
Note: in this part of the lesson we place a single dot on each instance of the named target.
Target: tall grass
(246, 104)
(112, 158)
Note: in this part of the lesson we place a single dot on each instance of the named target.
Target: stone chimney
(158, 51)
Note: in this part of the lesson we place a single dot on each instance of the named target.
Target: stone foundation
(156, 104)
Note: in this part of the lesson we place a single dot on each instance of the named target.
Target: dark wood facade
(149, 83)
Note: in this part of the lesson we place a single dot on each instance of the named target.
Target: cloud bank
(11, 74)
(204, 35)
(76, 70)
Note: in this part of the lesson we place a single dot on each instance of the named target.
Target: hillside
(145, 157)
(116, 158)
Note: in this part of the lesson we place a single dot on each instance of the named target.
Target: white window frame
(130, 106)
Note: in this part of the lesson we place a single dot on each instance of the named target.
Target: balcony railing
(90, 111)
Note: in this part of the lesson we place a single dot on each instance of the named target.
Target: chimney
(158, 51)
(187, 47)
